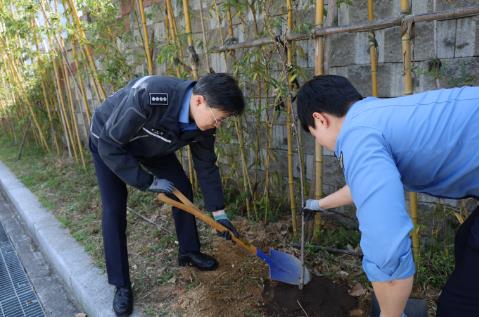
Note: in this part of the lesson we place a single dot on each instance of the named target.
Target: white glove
(312, 204)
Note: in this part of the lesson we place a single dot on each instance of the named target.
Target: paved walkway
(76, 270)
(28, 286)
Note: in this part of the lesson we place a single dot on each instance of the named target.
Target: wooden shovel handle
(189, 207)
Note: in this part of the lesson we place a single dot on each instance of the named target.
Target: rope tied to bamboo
(407, 25)
(372, 40)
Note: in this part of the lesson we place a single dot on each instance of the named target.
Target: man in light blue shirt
(426, 142)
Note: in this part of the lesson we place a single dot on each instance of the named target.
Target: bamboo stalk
(365, 27)
(75, 131)
(44, 91)
(289, 122)
(17, 77)
(239, 131)
(146, 42)
(191, 47)
(65, 122)
(194, 74)
(205, 43)
(408, 89)
(373, 51)
(81, 85)
(86, 47)
(7, 82)
(172, 38)
(174, 35)
(318, 149)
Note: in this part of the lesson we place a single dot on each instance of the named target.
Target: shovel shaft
(189, 207)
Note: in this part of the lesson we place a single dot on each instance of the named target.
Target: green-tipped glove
(221, 217)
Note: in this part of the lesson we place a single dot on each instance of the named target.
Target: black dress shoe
(123, 301)
(202, 261)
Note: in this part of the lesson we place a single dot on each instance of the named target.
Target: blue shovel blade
(284, 267)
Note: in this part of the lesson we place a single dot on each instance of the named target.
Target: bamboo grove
(60, 58)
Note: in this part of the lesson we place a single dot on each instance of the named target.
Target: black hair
(325, 93)
(221, 91)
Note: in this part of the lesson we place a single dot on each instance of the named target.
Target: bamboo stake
(406, 27)
(292, 199)
(373, 51)
(318, 149)
(86, 47)
(146, 42)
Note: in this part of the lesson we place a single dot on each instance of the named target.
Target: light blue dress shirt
(426, 142)
(184, 118)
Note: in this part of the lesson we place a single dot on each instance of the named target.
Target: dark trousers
(460, 295)
(114, 197)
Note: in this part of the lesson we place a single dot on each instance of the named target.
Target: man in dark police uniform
(133, 139)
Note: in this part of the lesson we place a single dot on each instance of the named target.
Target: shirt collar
(184, 117)
(185, 107)
(350, 113)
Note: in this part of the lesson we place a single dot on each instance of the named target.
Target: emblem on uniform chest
(158, 99)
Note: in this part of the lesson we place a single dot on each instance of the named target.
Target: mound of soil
(320, 297)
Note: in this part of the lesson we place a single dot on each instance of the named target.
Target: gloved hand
(161, 185)
(311, 206)
(221, 217)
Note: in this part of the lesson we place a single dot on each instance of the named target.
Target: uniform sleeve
(204, 159)
(126, 120)
(378, 194)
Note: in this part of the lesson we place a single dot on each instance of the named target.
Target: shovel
(283, 267)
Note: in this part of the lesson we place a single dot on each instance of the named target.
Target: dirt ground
(240, 286)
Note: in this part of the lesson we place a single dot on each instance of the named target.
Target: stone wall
(454, 42)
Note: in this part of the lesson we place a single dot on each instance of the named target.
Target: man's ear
(320, 117)
(197, 99)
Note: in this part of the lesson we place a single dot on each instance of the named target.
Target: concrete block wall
(455, 42)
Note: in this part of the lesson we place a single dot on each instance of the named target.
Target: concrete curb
(86, 282)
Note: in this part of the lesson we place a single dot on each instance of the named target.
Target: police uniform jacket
(138, 126)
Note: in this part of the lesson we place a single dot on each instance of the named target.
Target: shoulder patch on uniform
(158, 99)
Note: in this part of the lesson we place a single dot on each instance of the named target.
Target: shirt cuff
(405, 268)
(219, 214)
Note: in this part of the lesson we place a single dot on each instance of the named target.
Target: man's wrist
(219, 215)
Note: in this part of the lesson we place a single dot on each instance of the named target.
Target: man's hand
(221, 217)
(311, 206)
(161, 185)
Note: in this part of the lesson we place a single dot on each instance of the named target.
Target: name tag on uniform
(158, 99)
